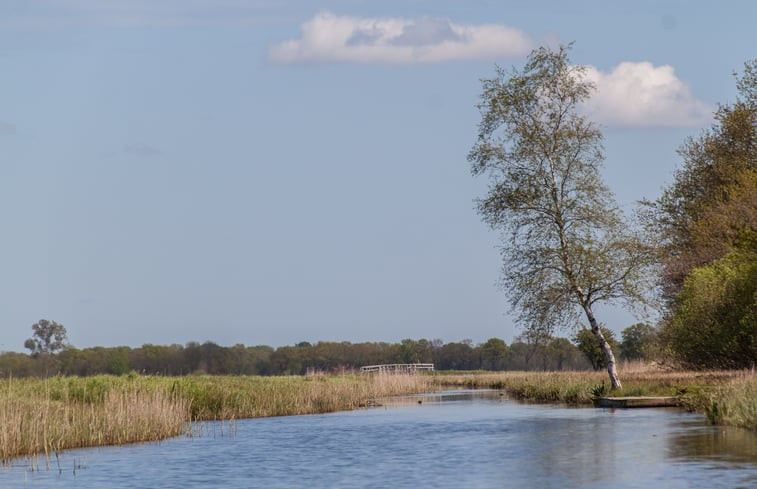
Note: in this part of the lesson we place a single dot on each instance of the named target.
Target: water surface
(456, 440)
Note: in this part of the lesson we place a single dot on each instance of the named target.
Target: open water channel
(460, 439)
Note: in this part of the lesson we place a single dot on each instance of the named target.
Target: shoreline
(45, 416)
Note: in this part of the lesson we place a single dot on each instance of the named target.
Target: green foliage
(567, 244)
(713, 198)
(118, 361)
(734, 403)
(411, 351)
(715, 320)
(599, 390)
(639, 342)
(14, 364)
(461, 356)
(494, 354)
(588, 343)
(548, 353)
(564, 354)
(48, 337)
(707, 225)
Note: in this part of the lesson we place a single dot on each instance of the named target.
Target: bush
(715, 321)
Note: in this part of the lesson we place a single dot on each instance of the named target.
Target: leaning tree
(566, 245)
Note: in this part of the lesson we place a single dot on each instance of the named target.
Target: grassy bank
(580, 388)
(726, 397)
(732, 403)
(39, 419)
(45, 416)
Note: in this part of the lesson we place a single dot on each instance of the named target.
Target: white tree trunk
(611, 364)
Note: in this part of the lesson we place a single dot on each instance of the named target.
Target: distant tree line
(525, 353)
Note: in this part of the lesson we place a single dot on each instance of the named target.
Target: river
(457, 439)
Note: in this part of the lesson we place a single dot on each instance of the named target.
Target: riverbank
(44, 416)
(725, 397)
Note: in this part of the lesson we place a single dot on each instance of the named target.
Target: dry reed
(580, 388)
(734, 402)
(41, 424)
(45, 416)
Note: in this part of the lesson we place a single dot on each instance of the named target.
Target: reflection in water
(443, 396)
(693, 442)
(461, 439)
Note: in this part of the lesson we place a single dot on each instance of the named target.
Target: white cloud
(641, 94)
(331, 38)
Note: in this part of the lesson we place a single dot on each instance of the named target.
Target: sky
(270, 172)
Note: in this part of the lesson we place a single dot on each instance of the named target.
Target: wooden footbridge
(398, 367)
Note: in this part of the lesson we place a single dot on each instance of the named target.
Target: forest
(525, 353)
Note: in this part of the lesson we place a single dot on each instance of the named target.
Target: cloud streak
(329, 38)
(643, 95)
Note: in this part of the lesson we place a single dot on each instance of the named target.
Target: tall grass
(33, 423)
(580, 388)
(733, 403)
(45, 416)
(229, 397)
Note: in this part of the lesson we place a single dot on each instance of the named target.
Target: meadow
(44, 416)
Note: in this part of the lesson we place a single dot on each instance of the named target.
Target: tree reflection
(722, 443)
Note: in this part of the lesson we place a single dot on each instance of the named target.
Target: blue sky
(267, 172)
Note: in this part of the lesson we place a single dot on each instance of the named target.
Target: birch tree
(566, 246)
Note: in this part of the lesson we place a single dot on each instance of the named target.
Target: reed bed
(580, 388)
(252, 397)
(41, 424)
(732, 403)
(44, 416)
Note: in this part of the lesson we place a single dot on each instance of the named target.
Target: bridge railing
(397, 367)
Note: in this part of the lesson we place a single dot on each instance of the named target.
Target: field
(44, 416)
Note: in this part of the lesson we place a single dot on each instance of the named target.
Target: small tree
(493, 354)
(49, 337)
(587, 342)
(567, 245)
(563, 354)
(638, 341)
(535, 341)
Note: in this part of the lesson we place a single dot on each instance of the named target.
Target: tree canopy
(323, 356)
(638, 341)
(48, 337)
(707, 224)
(566, 243)
(712, 202)
(588, 345)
